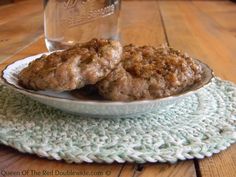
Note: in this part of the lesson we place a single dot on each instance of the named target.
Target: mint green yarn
(198, 126)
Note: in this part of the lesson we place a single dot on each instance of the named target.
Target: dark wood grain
(222, 164)
(13, 161)
(182, 169)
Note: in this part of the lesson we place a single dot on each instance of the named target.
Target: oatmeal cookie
(148, 73)
(73, 68)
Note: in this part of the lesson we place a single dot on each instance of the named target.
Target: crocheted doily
(198, 126)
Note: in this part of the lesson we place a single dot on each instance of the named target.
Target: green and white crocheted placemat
(199, 126)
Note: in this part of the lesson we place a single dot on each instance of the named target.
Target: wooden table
(204, 29)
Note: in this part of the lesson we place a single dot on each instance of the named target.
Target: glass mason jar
(67, 22)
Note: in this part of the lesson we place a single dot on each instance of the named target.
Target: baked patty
(148, 73)
(73, 68)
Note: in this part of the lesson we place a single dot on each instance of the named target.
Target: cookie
(148, 73)
(73, 68)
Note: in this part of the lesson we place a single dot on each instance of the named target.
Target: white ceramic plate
(70, 102)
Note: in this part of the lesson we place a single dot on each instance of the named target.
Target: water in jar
(67, 22)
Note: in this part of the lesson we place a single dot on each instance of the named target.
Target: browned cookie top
(73, 68)
(148, 73)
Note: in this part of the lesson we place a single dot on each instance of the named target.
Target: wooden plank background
(203, 29)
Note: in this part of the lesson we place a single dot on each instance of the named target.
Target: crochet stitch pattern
(198, 126)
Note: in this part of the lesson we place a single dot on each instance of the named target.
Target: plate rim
(95, 102)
